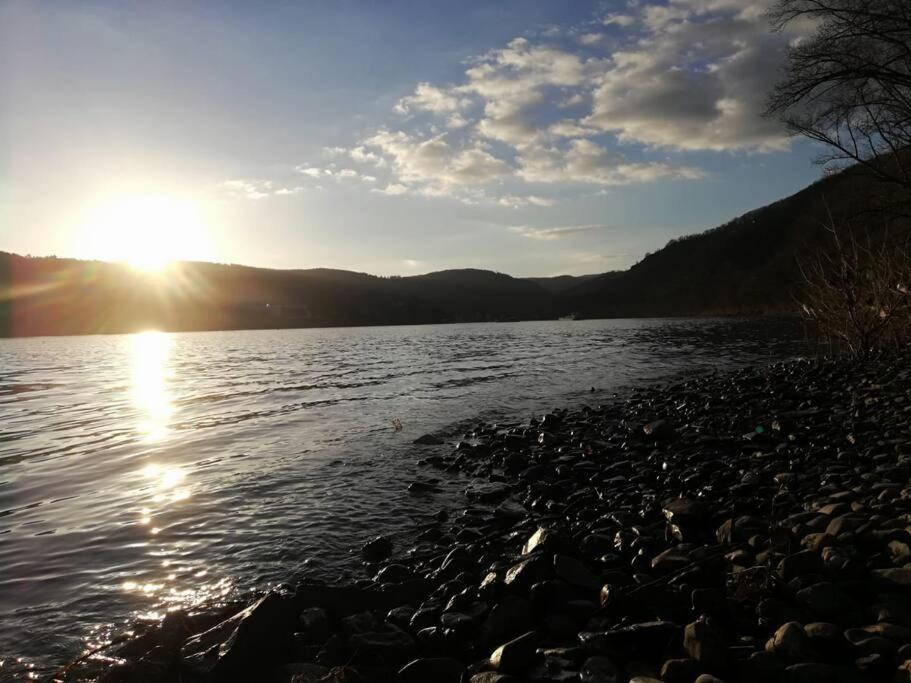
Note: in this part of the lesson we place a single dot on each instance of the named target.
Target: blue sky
(532, 138)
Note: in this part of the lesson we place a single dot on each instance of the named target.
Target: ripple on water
(154, 470)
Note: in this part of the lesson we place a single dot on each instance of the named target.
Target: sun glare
(146, 232)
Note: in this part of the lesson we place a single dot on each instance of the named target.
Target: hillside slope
(747, 266)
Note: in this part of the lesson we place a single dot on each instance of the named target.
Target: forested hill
(748, 265)
(42, 296)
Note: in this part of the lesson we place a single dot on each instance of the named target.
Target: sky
(530, 137)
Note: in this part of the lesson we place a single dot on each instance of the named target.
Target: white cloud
(590, 38)
(428, 97)
(587, 162)
(362, 155)
(515, 201)
(249, 189)
(346, 173)
(393, 189)
(554, 233)
(697, 80)
(435, 165)
(311, 171)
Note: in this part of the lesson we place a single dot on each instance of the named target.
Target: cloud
(514, 201)
(607, 102)
(696, 80)
(585, 161)
(249, 189)
(435, 165)
(392, 189)
(554, 233)
(431, 98)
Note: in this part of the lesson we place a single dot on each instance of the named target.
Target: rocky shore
(753, 526)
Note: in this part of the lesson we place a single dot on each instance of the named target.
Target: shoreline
(734, 524)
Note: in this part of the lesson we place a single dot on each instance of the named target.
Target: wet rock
(243, 644)
(507, 618)
(528, 572)
(442, 669)
(791, 644)
(704, 645)
(377, 548)
(680, 670)
(599, 670)
(644, 639)
(660, 430)
(388, 646)
(575, 573)
(802, 564)
(900, 576)
(516, 655)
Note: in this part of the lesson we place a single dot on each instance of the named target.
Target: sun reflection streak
(150, 352)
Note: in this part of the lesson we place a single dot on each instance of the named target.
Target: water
(141, 472)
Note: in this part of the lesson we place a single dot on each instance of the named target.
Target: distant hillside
(747, 266)
(44, 296)
(562, 283)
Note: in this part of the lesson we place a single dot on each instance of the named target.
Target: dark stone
(704, 645)
(516, 655)
(575, 573)
(442, 669)
(600, 670)
(377, 548)
(238, 647)
(388, 646)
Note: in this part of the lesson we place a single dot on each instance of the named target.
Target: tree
(856, 291)
(848, 84)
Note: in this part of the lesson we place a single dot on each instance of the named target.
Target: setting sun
(146, 232)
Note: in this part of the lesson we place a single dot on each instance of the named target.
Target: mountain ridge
(748, 265)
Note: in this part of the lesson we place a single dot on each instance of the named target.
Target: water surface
(139, 472)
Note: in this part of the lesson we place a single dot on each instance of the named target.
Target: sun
(149, 233)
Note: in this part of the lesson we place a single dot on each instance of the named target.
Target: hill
(45, 296)
(746, 266)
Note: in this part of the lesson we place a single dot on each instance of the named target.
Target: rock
(493, 677)
(792, 644)
(708, 678)
(575, 573)
(304, 672)
(239, 646)
(762, 667)
(314, 622)
(682, 670)
(811, 672)
(387, 646)
(442, 669)
(600, 670)
(377, 548)
(802, 564)
(826, 599)
(704, 645)
(900, 576)
(686, 518)
(660, 430)
(645, 640)
(545, 539)
(428, 440)
(507, 618)
(527, 572)
(516, 655)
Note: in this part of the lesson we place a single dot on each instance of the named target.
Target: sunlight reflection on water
(150, 352)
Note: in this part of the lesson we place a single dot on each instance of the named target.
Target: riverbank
(750, 526)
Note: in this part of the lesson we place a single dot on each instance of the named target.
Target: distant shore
(743, 526)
